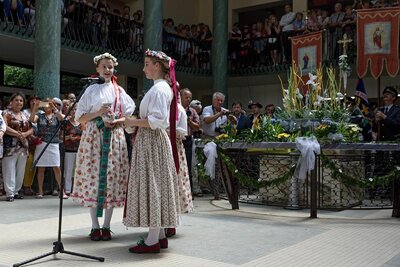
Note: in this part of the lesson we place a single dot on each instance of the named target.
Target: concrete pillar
(220, 47)
(153, 15)
(47, 49)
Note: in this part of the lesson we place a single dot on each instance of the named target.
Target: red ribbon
(173, 114)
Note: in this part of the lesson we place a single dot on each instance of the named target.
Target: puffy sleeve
(181, 126)
(128, 105)
(84, 105)
(158, 108)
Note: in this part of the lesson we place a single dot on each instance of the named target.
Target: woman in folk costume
(152, 199)
(185, 192)
(102, 165)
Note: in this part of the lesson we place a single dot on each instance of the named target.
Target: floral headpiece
(158, 54)
(105, 55)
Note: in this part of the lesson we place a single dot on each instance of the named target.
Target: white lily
(311, 80)
(298, 94)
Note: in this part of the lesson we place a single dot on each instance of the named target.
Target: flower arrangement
(158, 54)
(344, 65)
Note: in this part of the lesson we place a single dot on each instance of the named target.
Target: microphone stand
(58, 246)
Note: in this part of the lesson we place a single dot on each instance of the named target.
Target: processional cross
(345, 41)
(344, 72)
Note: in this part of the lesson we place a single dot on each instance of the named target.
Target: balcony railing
(95, 31)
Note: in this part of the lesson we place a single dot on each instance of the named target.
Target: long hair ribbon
(173, 115)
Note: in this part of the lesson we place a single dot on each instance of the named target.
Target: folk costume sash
(105, 150)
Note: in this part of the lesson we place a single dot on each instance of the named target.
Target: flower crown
(158, 54)
(105, 55)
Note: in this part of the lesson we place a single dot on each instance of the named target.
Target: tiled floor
(214, 235)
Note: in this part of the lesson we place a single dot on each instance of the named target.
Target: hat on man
(251, 103)
(391, 90)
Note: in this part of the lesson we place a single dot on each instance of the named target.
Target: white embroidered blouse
(155, 105)
(98, 94)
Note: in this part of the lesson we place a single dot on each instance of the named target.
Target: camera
(226, 112)
(44, 104)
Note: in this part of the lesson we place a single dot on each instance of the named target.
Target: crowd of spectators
(23, 140)
(263, 43)
(26, 126)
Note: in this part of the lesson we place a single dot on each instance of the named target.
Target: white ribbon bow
(308, 147)
(210, 151)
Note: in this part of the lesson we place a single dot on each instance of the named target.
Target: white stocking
(107, 217)
(95, 219)
(162, 234)
(152, 237)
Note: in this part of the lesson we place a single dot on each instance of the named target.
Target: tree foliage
(18, 76)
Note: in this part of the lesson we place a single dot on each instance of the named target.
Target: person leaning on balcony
(388, 117)
(15, 146)
(286, 24)
(214, 117)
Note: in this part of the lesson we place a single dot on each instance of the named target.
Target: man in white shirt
(286, 24)
(214, 117)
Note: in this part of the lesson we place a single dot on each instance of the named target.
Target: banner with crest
(378, 41)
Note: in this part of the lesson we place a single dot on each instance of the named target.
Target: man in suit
(387, 126)
(239, 118)
(388, 117)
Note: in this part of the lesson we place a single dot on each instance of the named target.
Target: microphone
(98, 80)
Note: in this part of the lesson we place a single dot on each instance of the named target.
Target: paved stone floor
(214, 235)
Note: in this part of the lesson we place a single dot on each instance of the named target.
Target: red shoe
(163, 243)
(95, 234)
(143, 248)
(170, 232)
(105, 234)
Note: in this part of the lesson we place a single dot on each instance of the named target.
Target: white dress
(87, 170)
(152, 199)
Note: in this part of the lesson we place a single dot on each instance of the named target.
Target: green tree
(18, 76)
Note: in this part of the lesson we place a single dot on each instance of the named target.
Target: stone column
(220, 47)
(47, 49)
(153, 15)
